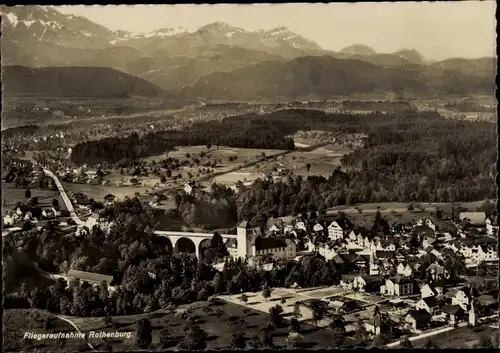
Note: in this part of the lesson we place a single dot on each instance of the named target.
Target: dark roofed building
(424, 231)
(418, 319)
(269, 243)
(453, 313)
(92, 278)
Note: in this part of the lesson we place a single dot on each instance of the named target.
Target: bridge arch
(187, 245)
(203, 246)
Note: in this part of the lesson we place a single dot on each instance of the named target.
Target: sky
(438, 30)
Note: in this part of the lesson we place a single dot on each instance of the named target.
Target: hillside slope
(74, 82)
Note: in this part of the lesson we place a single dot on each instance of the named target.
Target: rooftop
(89, 276)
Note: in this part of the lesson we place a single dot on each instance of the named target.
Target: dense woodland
(419, 158)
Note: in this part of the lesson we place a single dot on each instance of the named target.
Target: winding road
(65, 198)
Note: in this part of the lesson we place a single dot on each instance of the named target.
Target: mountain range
(219, 61)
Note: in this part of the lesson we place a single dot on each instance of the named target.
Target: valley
(249, 177)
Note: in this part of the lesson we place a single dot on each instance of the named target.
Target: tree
(143, 333)
(275, 316)
(338, 338)
(244, 298)
(267, 338)
(55, 203)
(283, 300)
(308, 167)
(406, 343)
(255, 342)
(163, 180)
(266, 293)
(293, 339)
(196, 339)
(165, 338)
(296, 311)
(318, 312)
(411, 208)
(238, 341)
(27, 193)
(294, 325)
(219, 313)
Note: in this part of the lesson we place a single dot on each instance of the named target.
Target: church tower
(472, 315)
(373, 266)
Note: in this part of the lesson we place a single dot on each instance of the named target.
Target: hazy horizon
(386, 27)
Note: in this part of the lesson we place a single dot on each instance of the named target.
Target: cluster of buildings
(415, 294)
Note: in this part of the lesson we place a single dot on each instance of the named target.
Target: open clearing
(12, 195)
(257, 302)
(323, 161)
(396, 211)
(18, 321)
(219, 330)
(462, 337)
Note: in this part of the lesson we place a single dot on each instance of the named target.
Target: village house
(427, 291)
(94, 279)
(475, 219)
(326, 251)
(398, 286)
(301, 225)
(426, 222)
(275, 225)
(418, 319)
(352, 236)
(491, 227)
(9, 220)
(430, 304)
(343, 306)
(277, 247)
(318, 227)
(362, 283)
(484, 253)
(453, 313)
(437, 271)
(463, 297)
(404, 270)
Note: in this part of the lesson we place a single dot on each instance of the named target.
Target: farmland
(364, 214)
(12, 195)
(462, 337)
(233, 318)
(18, 321)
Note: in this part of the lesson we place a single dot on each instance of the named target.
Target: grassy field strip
(436, 332)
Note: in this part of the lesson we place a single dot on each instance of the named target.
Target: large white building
(252, 243)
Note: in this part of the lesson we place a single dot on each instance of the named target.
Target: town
(394, 284)
(210, 177)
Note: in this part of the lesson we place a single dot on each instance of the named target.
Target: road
(65, 198)
(64, 318)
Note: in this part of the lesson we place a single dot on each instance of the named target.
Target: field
(257, 302)
(12, 195)
(462, 337)
(364, 214)
(18, 321)
(219, 331)
(322, 160)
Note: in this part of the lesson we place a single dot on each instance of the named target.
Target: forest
(423, 158)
